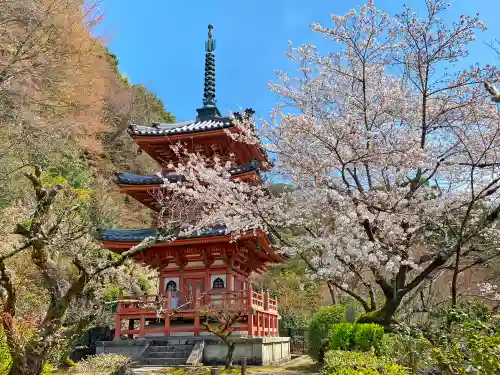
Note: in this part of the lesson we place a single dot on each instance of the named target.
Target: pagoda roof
(184, 127)
(127, 178)
(137, 235)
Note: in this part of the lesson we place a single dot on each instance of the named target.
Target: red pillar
(196, 325)
(167, 325)
(257, 317)
(142, 326)
(250, 324)
(118, 326)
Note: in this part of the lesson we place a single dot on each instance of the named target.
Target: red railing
(173, 301)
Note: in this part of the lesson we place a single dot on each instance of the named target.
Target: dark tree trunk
(29, 364)
(383, 316)
(332, 290)
(229, 356)
(454, 287)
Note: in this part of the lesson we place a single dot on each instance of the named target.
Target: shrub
(101, 363)
(341, 336)
(319, 328)
(361, 337)
(410, 347)
(357, 363)
(366, 336)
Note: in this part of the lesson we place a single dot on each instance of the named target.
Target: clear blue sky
(160, 43)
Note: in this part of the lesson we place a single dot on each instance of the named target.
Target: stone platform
(175, 351)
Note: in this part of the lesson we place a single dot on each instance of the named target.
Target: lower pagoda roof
(137, 235)
(127, 178)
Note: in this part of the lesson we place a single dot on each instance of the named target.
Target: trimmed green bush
(341, 336)
(360, 337)
(367, 336)
(319, 328)
(357, 363)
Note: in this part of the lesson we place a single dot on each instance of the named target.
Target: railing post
(266, 300)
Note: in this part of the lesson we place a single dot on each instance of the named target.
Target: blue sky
(160, 43)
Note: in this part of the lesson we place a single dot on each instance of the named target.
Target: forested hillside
(65, 107)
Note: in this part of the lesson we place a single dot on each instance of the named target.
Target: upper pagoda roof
(184, 127)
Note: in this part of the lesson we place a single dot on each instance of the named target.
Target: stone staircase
(166, 353)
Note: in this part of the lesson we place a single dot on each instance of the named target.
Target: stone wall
(258, 351)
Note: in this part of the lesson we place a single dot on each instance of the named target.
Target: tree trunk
(454, 287)
(383, 316)
(29, 364)
(229, 356)
(332, 290)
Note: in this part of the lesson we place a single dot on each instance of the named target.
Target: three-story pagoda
(208, 268)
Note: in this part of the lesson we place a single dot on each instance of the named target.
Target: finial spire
(209, 92)
(209, 109)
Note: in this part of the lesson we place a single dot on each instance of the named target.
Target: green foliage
(47, 369)
(111, 295)
(5, 358)
(341, 336)
(292, 319)
(154, 104)
(410, 347)
(112, 58)
(371, 317)
(475, 350)
(319, 328)
(461, 340)
(145, 285)
(367, 336)
(360, 337)
(360, 363)
(70, 170)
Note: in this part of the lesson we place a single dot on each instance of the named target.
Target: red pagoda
(208, 268)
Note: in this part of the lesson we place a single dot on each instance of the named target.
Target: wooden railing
(174, 301)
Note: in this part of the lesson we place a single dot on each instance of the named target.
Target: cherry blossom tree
(394, 158)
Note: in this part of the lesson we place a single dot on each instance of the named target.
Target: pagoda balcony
(169, 315)
(171, 304)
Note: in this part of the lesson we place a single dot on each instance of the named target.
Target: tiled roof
(127, 178)
(191, 126)
(137, 235)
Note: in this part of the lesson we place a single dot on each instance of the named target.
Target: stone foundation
(257, 350)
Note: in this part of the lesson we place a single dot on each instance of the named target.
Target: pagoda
(208, 268)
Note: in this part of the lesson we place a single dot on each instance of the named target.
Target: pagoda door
(190, 286)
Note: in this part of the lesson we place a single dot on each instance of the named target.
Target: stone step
(167, 354)
(170, 348)
(163, 342)
(162, 361)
